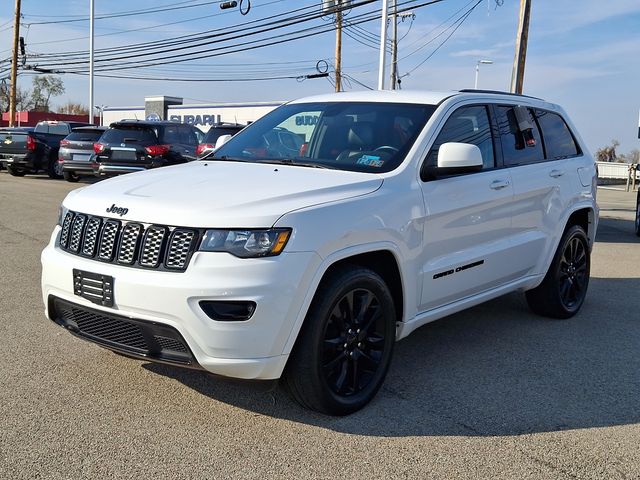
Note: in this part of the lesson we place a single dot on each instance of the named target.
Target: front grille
(140, 338)
(130, 244)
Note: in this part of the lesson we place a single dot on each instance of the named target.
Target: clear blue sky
(582, 54)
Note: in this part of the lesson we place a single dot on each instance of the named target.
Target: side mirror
(454, 157)
(222, 139)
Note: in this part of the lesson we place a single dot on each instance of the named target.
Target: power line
(130, 13)
(213, 38)
(120, 32)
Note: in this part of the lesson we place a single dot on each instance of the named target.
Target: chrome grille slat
(108, 239)
(76, 232)
(91, 236)
(66, 228)
(179, 248)
(130, 244)
(152, 246)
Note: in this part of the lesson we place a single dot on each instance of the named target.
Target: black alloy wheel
(345, 346)
(353, 342)
(573, 273)
(564, 288)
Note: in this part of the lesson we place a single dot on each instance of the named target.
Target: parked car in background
(76, 152)
(208, 144)
(134, 145)
(10, 138)
(36, 150)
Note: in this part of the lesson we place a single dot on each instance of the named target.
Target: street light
(100, 108)
(483, 62)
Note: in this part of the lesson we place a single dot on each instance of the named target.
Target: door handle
(499, 184)
(556, 173)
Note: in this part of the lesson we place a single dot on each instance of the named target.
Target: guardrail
(610, 172)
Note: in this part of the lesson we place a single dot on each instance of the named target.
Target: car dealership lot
(493, 392)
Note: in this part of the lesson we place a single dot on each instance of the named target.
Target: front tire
(564, 288)
(345, 346)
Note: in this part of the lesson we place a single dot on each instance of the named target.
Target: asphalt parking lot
(493, 392)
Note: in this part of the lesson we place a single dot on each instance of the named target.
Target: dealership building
(201, 115)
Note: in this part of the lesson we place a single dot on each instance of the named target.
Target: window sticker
(370, 161)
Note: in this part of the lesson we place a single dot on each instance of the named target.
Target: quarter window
(558, 140)
(466, 125)
(515, 148)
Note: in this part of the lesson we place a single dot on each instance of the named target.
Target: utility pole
(383, 43)
(517, 75)
(91, 16)
(338, 45)
(394, 46)
(14, 66)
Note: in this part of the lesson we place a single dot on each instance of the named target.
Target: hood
(218, 194)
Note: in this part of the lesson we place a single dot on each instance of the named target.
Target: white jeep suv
(319, 235)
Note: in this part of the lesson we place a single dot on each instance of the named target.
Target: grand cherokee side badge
(119, 210)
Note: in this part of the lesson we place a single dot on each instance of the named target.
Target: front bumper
(251, 349)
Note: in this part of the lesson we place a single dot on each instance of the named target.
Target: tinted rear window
(129, 135)
(84, 136)
(514, 147)
(214, 133)
(557, 137)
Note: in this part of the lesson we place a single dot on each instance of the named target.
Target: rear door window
(558, 140)
(515, 148)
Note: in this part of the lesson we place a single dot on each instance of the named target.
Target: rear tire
(15, 172)
(345, 345)
(54, 169)
(564, 288)
(70, 176)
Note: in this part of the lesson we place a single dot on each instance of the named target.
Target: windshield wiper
(222, 158)
(291, 161)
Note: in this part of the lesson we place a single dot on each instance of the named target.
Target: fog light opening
(228, 311)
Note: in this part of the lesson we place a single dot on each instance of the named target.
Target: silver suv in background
(76, 152)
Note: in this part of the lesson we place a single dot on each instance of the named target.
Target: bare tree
(73, 108)
(608, 153)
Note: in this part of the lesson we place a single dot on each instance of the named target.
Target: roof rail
(497, 92)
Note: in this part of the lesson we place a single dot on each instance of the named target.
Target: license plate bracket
(95, 287)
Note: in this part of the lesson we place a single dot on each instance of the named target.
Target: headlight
(246, 243)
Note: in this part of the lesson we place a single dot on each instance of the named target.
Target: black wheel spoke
(342, 377)
(353, 342)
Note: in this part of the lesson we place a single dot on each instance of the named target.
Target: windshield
(357, 136)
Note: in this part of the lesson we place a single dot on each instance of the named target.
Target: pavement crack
(22, 234)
